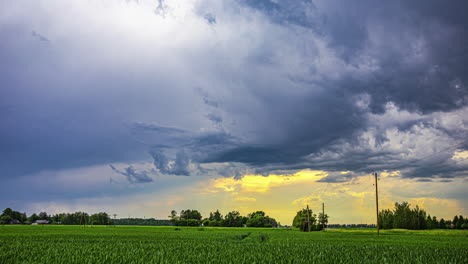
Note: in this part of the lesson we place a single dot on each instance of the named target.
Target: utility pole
(323, 216)
(377, 203)
(308, 218)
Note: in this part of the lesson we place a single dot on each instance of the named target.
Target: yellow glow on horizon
(353, 201)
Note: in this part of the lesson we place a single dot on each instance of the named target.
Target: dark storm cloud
(428, 85)
(286, 85)
(414, 68)
(406, 47)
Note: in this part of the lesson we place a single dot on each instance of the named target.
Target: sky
(139, 107)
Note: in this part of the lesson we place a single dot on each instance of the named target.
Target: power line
(377, 203)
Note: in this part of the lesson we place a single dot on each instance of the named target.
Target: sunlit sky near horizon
(138, 107)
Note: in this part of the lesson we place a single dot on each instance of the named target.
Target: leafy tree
(455, 222)
(13, 215)
(233, 219)
(259, 213)
(435, 223)
(300, 220)
(7, 212)
(323, 219)
(260, 219)
(43, 216)
(33, 218)
(5, 219)
(461, 221)
(217, 216)
(386, 219)
(402, 215)
(442, 223)
(190, 214)
(23, 218)
(173, 217)
(429, 222)
(100, 219)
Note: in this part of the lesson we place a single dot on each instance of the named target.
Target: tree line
(405, 217)
(231, 219)
(10, 216)
(142, 222)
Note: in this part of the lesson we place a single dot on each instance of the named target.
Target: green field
(74, 244)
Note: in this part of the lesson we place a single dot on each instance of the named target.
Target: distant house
(15, 222)
(41, 222)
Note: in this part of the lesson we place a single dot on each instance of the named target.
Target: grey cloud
(355, 29)
(132, 175)
(424, 180)
(172, 153)
(280, 89)
(446, 180)
(337, 177)
(178, 166)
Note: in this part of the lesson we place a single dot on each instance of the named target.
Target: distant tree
(33, 218)
(386, 219)
(5, 219)
(300, 220)
(455, 222)
(259, 213)
(43, 216)
(190, 214)
(460, 222)
(402, 215)
(260, 219)
(448, 223)
(435, 223)
(23, 218)
(173, 217)
(217, 216)
(323, 219)
(7, 212)
(429, 222)
(442, 223)
(233, 219)
(10, 214)
(100, 219)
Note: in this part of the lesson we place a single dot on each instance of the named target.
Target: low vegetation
(132, 244)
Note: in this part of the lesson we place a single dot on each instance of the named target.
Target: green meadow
(124, 244)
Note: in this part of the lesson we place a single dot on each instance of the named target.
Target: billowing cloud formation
(231, 87)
